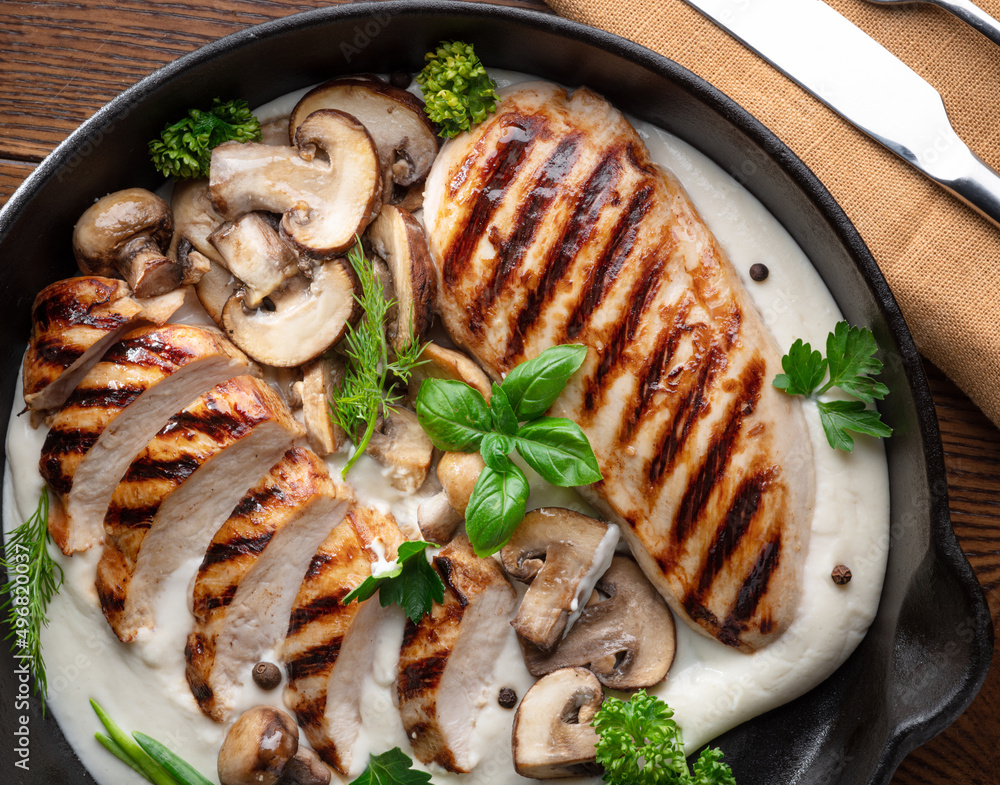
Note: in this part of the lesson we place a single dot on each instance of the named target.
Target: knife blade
(864, 83)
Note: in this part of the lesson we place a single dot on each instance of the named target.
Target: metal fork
(964, 10)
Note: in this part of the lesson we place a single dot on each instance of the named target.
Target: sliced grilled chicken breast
(120, 405)
(72, 322)
(550, 224)
(446, 660)
(181, 488)
(248, 579)
(330, 646)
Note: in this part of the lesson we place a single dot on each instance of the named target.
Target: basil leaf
(495, 449)
(454, 415)
(533, 386)
(496, 507)
(559, 451)
(504, 419)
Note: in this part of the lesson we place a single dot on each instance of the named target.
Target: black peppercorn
(507, 698)
(266, 675)
(841, 575)
(759, 271)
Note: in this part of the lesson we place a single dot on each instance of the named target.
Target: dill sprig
(364, 393)
(33, 578)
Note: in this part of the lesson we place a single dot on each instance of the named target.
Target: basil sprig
(457, 418)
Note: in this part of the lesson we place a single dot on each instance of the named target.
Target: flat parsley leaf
(850, 360)
(412, 583)
(391, 768)
(640, 744)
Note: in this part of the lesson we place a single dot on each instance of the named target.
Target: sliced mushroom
(552, 733)
(320, 379)
(402, 446)
(327, 187)
(215, 289)
(397, 237)
(252, 249)
(307, 318)
(437, 519)
(627, 640)
(562, 554)
(262, 748)
(441, 363)
(125, 234)
(194, 220)
(406, 141)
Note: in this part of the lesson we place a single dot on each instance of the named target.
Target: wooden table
(60, 61)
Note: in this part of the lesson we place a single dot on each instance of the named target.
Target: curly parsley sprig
(851, 362)
(184, 149)
(639, 743)
(458, 93)
(364, 393)
(33, 579)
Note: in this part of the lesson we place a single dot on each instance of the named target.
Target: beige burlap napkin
(941, 259)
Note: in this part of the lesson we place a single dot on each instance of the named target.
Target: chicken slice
(446, 660)
(245, 586)
(549, 224)
(181, 488)
(330, 646)
(120, 405)
(72, 322)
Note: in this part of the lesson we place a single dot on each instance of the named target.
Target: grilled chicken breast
(252, 569)
(181, 488)
(549, 224)
(330, 646)
(72, 322)
(120, 405)
(446, 660)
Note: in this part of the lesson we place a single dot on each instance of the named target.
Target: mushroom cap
(406, 140)
(562, 554)
(309, 316)
(627, 640)
(552, 735)
(258, 747)
(327, 187)
(114, 222)
(399, 239)
(458, 472)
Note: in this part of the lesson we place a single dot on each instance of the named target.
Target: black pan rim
(901, 740)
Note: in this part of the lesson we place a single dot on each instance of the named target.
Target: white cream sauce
(710, 686)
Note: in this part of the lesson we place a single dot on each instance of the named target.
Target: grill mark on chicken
(496, 174)
(746, 502)
(256, 501)
(148, 350)
(561, 255)
(751, 592)
(690, 407)
(55, 351)
(424, 674)
(530, 214)
(121, 517)
(219, 552)
(103, 397)
(214, 601)
(313, 660)
(211, 422)
(316, 609)
(640, 298)
(718, 455)
(147, 468)
(64, 308)
(447, 568)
